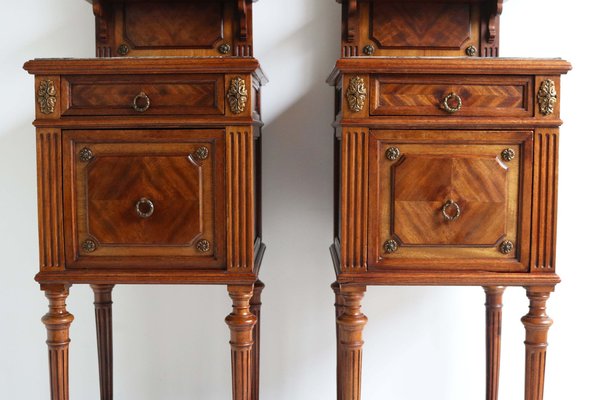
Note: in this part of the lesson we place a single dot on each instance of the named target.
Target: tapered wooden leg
(255, 304)
(103, 307)
(351, 324)
(339, 308)
(536, 324)
(57, 322)
(493, 330)
(241, 323)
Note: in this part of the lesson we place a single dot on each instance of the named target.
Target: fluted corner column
(255, 305)
(493, 334)
(351, 324)
(57, 322)
(537, 323)
(241, 324)
(103, 308)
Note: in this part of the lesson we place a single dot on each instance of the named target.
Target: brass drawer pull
(455, 215)
(452, 103)
(144, 208)
(144, 100)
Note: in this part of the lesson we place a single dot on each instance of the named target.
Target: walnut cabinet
(446, 174)
(149, 173)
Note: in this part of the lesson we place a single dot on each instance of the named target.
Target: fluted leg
(493, 328)
(241, 323)
(103, 307)
(57, 322)
(351, 324)
(339, 308)
(255, 304)
(536, 324)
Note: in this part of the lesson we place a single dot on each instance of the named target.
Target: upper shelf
(420, 27)
(164, 28)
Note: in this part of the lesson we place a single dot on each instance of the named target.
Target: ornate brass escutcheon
(508, 154)
(144, 208)
(237, 95)
(392, 153)
(507, 247)
(356, 94)
(85, 154)
(390, 246)
(88, 245)
(141, 102)
(203, 245)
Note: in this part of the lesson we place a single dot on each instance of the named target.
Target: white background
(421, 343)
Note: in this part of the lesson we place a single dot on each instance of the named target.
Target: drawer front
(144, 198)
(143, 95)
(452, 95)
(458, 198)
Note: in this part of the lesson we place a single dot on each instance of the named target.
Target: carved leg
(241, 323)
(339, 308)
(493, 329)
(536, 324)
(57, 322)
(103, 306)
(255, 304)
(351, 324)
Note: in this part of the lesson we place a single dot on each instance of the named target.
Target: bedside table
(446, 174)
(149, 173)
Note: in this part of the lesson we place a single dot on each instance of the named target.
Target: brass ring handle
(145, 106)
(144, 208)
(451, 103)
(447, 205)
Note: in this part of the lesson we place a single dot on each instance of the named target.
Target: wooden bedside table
(445, 169)
(149, 170)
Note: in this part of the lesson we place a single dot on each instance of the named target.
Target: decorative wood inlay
(351, 324)
(537, 323)
(46, 96)
(420, 25)
(545, 194)
(493, 326)
(103, 311)
(50, 199)
(240, 202)
(356, 94)
(237, 95)
(241, 323)
(255, 305)
(354, 199)
(57, 322)
(547, 97)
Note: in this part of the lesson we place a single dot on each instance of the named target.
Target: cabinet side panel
(545, 180)
(240, 199)
(50, 194)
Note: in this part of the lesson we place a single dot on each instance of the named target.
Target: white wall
(171, 342)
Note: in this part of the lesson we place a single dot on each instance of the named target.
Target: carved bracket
(351, 20)
(494, 20)
(242, 19)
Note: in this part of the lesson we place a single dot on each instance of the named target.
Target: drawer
(146, 198)
(449, 200)
(143, 95)
(470, 96)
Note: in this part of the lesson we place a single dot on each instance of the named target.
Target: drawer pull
(144, 208)
(451, 204)
(452, 103)
(144, 100)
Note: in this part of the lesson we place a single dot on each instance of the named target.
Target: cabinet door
(144, 198)
(445, 200)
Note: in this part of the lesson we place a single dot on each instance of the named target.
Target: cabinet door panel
(452, 197)
(154, 195)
